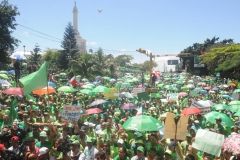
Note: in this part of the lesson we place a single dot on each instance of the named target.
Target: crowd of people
(39, 132)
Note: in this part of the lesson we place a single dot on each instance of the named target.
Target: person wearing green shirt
(218, 127)
(154, 144)
(43, 141)
(122, 154)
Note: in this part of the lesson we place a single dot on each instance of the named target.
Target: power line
(39, 32)
(60, 40)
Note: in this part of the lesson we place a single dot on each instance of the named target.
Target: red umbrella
(93, 111)
(13, 91)
(191, 110)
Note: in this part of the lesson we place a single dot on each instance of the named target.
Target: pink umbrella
(13, 91)
(140, 86)
(183, 94)
(232, 144)
(128, 106)
(207, 88)
(93, 111)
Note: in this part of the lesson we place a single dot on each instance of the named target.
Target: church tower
(81, 43)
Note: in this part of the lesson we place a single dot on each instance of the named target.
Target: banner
(203, 109)
(71, 113)
(208, 142)
(170, 127)
(172, 97)
(136, 91)
(112, 94)
(143, 96)
(193, 93)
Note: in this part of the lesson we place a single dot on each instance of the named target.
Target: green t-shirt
(118, 158)
(160, 151)
(46, 144)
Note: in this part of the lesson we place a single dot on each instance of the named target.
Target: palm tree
(85, 65)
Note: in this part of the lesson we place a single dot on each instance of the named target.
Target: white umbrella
(5, 83)
(18, 56)
(206, 103)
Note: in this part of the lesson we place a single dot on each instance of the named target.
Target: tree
(145, 66)
(224, 58)
(197, 49)
(8, 13)
(84, 65)
(123, 60)
(69, 44)
(35, 56)
(52, 57)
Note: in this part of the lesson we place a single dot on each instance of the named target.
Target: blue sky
(162, 26)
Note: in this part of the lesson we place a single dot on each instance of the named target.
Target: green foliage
(123, 60)
(8, 14)
(52, 57)
(196, 50)
(223, 58)
(145, 66)
(35, 56)
(69, 44)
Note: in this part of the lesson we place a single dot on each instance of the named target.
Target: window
(172, 62)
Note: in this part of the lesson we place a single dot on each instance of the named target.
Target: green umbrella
(237, 114)
(3, 72)
(66, 89)
(87, 91)
(101, 89)
(142, 123)
(235, 108)
(124, 85)
(220, 107)
(234, 102)
(211, 117)
(87, 87)
(160, 85)
(155, 95)
(106, 78)
(118, 85)
(236, 91)
(167, 87)
(85, 80)
(3, 76)
(173, 89)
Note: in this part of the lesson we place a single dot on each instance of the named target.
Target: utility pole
(148, 53)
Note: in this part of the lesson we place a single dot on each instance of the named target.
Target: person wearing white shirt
(89, 152)
(15, 145)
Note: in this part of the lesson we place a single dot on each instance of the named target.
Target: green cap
(188, 135)
(140, 148)
(75, 142)
(89, 139)
(73, 138)
(168, 152)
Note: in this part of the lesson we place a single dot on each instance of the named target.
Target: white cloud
(92, 43)
(26, 33)
(123, 50)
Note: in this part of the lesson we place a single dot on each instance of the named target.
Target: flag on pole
(73, 81)
(35, 80)
(13, 113)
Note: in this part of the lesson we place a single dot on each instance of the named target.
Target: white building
(81, 43)
(166, 63)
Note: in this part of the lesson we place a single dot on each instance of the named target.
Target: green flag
(184, 103)
(28, 97)
(14, 84)
(13, 113)
(35, 80)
